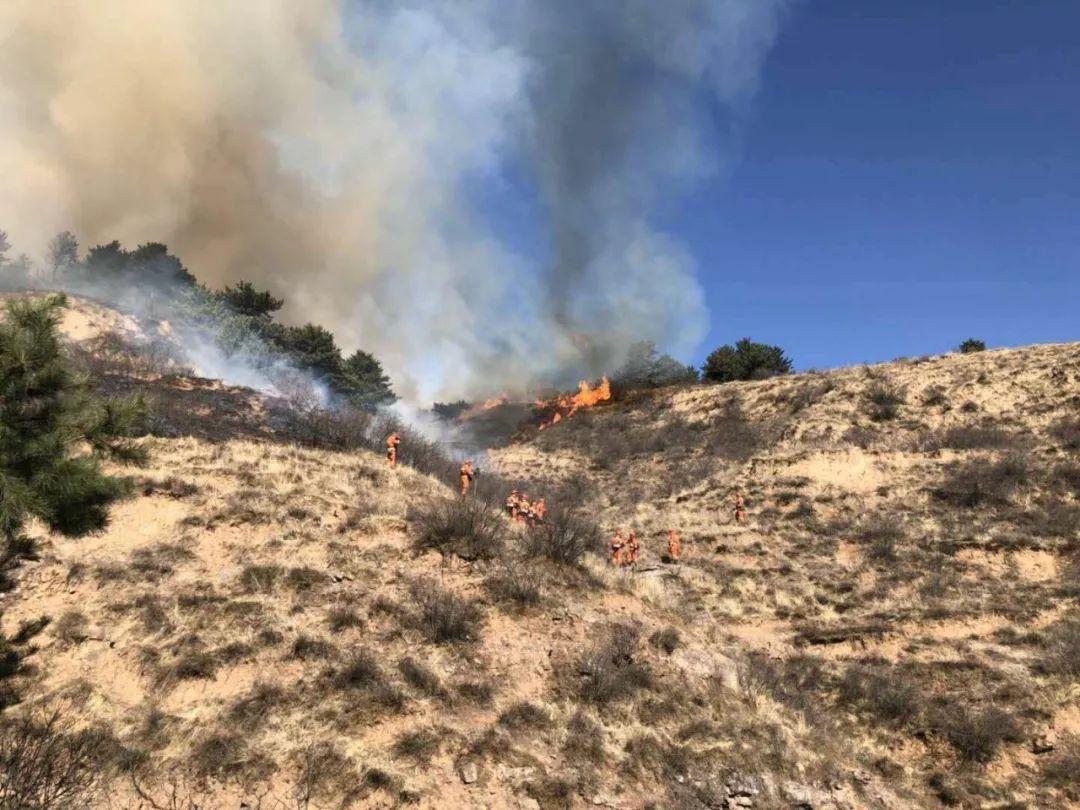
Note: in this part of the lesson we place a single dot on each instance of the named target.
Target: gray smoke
(332, 152)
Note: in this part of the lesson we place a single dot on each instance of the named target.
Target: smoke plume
(344, 155)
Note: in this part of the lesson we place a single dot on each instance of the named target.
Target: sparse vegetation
(443, 616)
(609, 671)
(464, 527)
(883, 400)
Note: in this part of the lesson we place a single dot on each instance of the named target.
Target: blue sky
(908, 176)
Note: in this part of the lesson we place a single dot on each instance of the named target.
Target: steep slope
(910, 555)
(894, 626)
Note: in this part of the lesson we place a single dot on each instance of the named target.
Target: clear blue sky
(909, 177)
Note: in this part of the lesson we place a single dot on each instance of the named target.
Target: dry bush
(343, 617)
(966, 437)
(795, 682)
(46, 763)
(113, 353)
(608, 673)
(419, 745)
(307, 648)
(362, 675)
(879, 536)
(977, 483)
(72, 627)
(478, 693)
(1067, 477)
(647, 753)
(667, 640)
(975, 734)
(1067, 433)
(251, 711)
(883, 400)
(552, 792)
(584, 741)
(1063, 648)
(1061, 769)
(324, 774)
(226, 755)
(882, 692)
(515, 583)
(260, 578)
(524, 716)
(934, 396)
(464, 527)
(565, 536)
(420, 677)
(171, 486)
(443, 616)
(303, 579)
(1056, 519)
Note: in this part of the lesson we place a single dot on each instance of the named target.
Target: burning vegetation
(554, 410)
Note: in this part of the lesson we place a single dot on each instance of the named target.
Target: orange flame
(567, 405)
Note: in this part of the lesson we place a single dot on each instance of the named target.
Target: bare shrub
(251, 711)
(361, 674)
(978, 483)
(608, 672)
(880, 535)
(308, 648)
(1063, 648)
(419, 745)
(966, 437)
(444, 616)
(324, 774)
(260, 578)
(1061, 769)
(524, 715)
(667, 640)
(343, 617)
(420, 677)
(794, 682)
(302, 579)
(45, 764)
(883, 400)
(1067, 433)
(885, 693)
(584, 740)
(975, 734)
(516, 583)
(565, 536)
(934, 396)
(479, 693)
(226, 755)
(72, 627)
(464, 527)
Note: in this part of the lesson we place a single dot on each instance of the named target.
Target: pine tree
(54, 433)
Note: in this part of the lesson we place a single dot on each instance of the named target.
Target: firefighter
(633, 546)
(467, 476)
(540, 509)
(674, 546)
(392, 442)
(618, 543)
(740, 507)
(513, 500)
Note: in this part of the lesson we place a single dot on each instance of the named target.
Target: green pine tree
(54, 433)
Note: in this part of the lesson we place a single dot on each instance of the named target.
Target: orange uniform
(466, 476)
(392, 443)
(540, 510)
(674, 545)
(633, 546)
(740, 508)
(618, 544)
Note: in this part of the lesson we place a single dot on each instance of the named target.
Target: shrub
(584, 740)
(934, 396)
(645, 368)
(884, 693)
(976, 735)
(1063, 648)
(880, 536)
(967, 437)
(516, 583)
(1067, 432)
(978, 483)
(972, 345)
(883, 400)
(464, 527)
(745, 360)
(444, 616)
(1061, 769)
(342, 617)
(361, 673)
(251, 711)
(260, 578)
(564, 536)
(523, 716)
(46, 764)
(419, 745)
(667, 640)
(324, 773)
(420, 677)
(608, 671)
(306, 648)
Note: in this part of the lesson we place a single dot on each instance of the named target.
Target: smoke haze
(330, 151)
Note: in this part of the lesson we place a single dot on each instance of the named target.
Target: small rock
(469, 773)
(742, 801)
(1042, 745)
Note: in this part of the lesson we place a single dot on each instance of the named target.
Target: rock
(744, 786)
(528, 803)
(741, 801)
(469, 773)
(1042, 745)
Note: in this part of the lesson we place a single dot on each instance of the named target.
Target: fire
(567, 405)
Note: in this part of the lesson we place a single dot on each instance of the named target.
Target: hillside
(268, 625)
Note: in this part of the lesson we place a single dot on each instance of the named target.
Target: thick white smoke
(331, 150)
